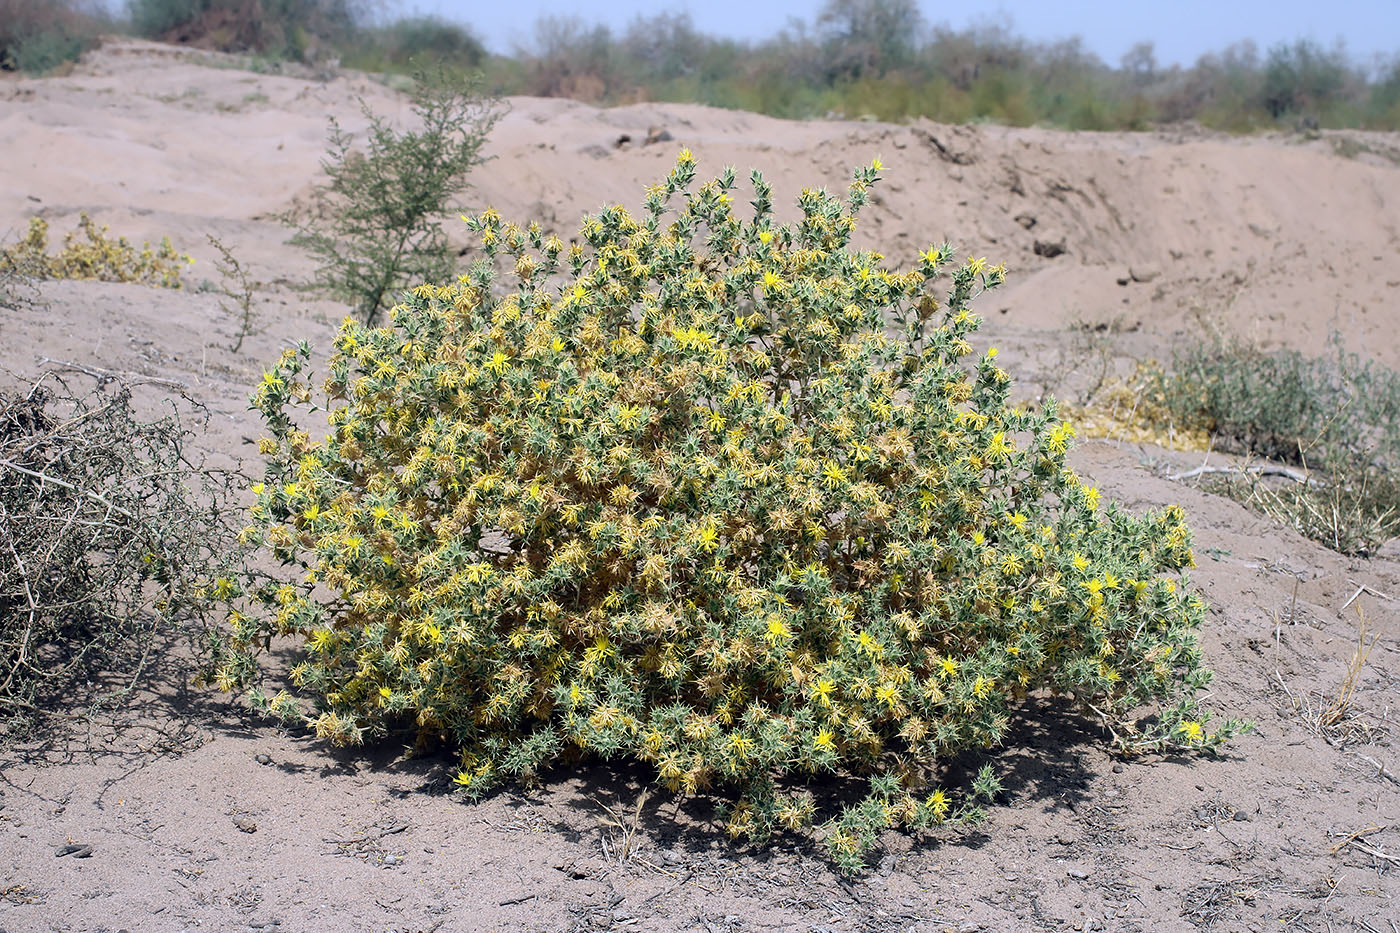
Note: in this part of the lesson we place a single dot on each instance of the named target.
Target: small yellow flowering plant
(717, 493)
(88, 253)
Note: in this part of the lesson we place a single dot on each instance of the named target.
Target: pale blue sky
(1181, 29)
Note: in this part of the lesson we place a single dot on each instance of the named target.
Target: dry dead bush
(111, 531)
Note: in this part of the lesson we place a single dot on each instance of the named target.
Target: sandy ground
(200, 817)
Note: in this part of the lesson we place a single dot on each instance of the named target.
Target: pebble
(77, 850)
(263, 759)
(245, 824)
(1241, 816)
(1118, 769)
(1078, 874)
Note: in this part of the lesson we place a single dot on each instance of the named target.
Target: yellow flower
(1191, 729)
(1000, 447)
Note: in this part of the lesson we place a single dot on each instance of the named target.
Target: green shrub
(700, 503)
(284, 28)
(1337, 415)
(406, 45)
(375, 227)
(39, 36)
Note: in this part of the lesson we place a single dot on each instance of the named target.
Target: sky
(1182, 30)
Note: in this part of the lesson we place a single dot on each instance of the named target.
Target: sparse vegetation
(40, 36)
(414, 44)
(293, 29)
(1335, 418)
(237, 287)
(375, 227)
(88, 253)
(109, 531)
(880, 58)
(854, 58)
(678, 496)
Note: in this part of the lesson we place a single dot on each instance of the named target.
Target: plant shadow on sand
(1049, 758)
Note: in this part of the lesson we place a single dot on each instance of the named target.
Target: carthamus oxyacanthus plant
(714, 492)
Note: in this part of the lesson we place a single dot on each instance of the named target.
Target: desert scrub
(375, 227)
(88, 253)
(111, 533)
(719, 494)
(1336, 415)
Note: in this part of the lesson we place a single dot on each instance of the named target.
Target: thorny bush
(88, 253)
(719, 494)
(109, 534)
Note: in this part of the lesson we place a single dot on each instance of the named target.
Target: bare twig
(1261, 470)
(1367, 588)
(107, 374)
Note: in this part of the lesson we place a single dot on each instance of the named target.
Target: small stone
(1241, 816)
(1118, 769)
(263, 759)
(1077, 874)
(1144, 274)
(77, 850)
(1049, 249)
(245, 824)
(1064, 840)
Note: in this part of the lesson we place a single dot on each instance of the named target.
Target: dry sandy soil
(200, 817)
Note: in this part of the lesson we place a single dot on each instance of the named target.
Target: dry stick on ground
(1264, 470)
(1354, 840)
(113, 374)
(1365, 588)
